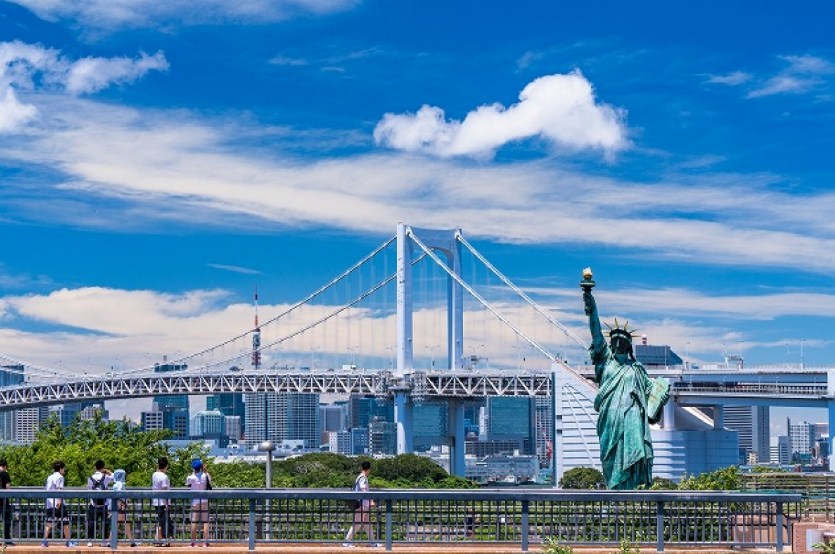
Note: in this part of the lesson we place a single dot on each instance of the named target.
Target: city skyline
(160, 163)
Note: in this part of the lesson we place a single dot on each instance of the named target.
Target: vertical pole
(458, 447)
(669, 411)
(718, 417)
(830, 408)
(404, 301)
(114, 522)
(251, 541)
(402, 405)
(558, 382)
(659, 527)
(403, 421)
(779, 546)
(455, 349)
(388, 525)
(525, 525)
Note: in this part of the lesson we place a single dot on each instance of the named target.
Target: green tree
(724, 479)
(582, 478)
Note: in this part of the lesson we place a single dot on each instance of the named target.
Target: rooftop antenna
(256, 337)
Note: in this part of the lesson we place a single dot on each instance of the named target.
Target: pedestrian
(199, 480)
(56, 508)
(362, 512)
(98, 524)
(6, 503)
(160, 482)
(119, 477)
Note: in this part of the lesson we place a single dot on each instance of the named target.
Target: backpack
(98, 485)
(352, 504)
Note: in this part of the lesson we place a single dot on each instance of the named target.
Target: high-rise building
(361, 409)
(228, 403)
(382, 437)
(781, 452)
(282, 416)
(752, 425)
(334, 418)
(10, 375)
(152, 421)
(232, 428)
(174, 408)
(429, 424)
(801, 436)
(28, 422)
(512, 417)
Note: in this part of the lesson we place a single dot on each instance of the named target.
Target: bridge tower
(446, 242)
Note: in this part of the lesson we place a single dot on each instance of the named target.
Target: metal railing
(406, 516)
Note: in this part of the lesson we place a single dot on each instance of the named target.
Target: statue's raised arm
(599, 350)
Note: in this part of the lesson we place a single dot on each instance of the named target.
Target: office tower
(382, 437)
(781, 452)
(152, 421)
(801, 436)
(28, 422)
(282, 416)
(752, 425)
(333, 418)
(229, 404)
(67, 413)
(429, 424)
(209, 424)
(10, 375)
(511, 417)
(232, 428)
(544, 430)
(361, 409)
(174, 408)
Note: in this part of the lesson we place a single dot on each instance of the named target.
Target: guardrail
(814, 390)
(407, 516)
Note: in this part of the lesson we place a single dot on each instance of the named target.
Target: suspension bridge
(422, 292)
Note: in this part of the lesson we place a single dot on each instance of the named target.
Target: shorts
(200, 512)
(58, 514)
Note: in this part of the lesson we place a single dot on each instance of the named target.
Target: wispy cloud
(111, 15)
(236, 269)
(800, 75)
(731, 79)
(28, 67)
(558, 108)
(196, 168)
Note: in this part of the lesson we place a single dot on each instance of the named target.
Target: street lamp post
(268, 446)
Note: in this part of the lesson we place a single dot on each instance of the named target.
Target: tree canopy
(120, 444)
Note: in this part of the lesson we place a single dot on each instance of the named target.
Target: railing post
(251, 524)
(388, 525)
(779, 546)
(659, 527)
(525, 509)
(114, 522)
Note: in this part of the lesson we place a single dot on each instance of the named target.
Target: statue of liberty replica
(627, 402)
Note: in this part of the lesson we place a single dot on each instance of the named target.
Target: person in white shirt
(160, 482)
(98, 523)
(56, 509)
(199, 480)
(362, 513)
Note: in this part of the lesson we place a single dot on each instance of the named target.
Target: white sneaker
(90, 544)
(348, 545)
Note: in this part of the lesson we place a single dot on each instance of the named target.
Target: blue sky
(157, 161)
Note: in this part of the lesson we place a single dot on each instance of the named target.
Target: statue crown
(622, 332)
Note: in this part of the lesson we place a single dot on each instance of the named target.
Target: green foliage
(553, 546)
(582, 478)
(120, 444)
(663, 484)
(626, 547)
(768, 469)
(725, 479)
(826, 547)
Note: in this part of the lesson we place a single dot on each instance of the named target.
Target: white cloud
(731, 79)
(29, 67)
(188, 170)
(13, 114)
(108, 15)
(803, 74)
(93, 74)
(558, 108)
